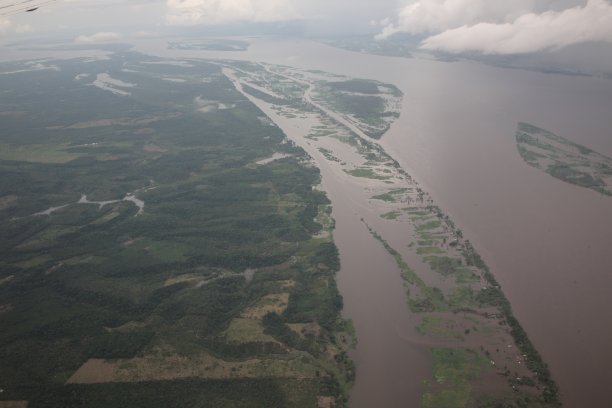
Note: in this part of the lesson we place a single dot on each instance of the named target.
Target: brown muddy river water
(547, 242)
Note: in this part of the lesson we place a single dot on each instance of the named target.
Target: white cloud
(98, 38)
(186, 12)
(431, 16)
(530, 32)
(503, 27)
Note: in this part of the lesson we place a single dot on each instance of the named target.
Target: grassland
(153, 295)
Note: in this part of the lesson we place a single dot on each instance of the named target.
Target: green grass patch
(391, 215)
(438, 328)
(390, 196)
(428, 226)
(454, 366)
(364, 172)
(243, 330)
(417, 214)
(459, 397)
(462, 297)
(454, 369)
(465, 276)
(443, 264)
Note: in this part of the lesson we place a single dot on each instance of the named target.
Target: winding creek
(83, 200)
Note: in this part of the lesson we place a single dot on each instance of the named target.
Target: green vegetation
(328, 154)
(448, 317)
(443, 264)
(139, 290)
(391, 196)
(391, 215)
(429, 225)
(438, 328)
(443, 249)
(365, 172)
(421, 298)
(239, 393)
(372, 106)
(455, 368)
(564, 159)
(493, 296)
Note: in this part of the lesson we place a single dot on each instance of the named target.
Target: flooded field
(433, 327)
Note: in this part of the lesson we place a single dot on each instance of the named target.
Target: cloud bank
(190, 12)
(493, 27)
(427, 16)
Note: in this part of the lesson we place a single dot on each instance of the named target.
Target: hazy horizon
(567, 33)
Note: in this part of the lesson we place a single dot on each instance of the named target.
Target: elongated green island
(564, 159)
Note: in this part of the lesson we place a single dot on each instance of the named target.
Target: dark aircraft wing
(10, 7)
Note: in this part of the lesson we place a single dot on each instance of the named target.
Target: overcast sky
(486, 26)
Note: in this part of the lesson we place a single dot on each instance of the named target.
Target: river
(547, 242)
